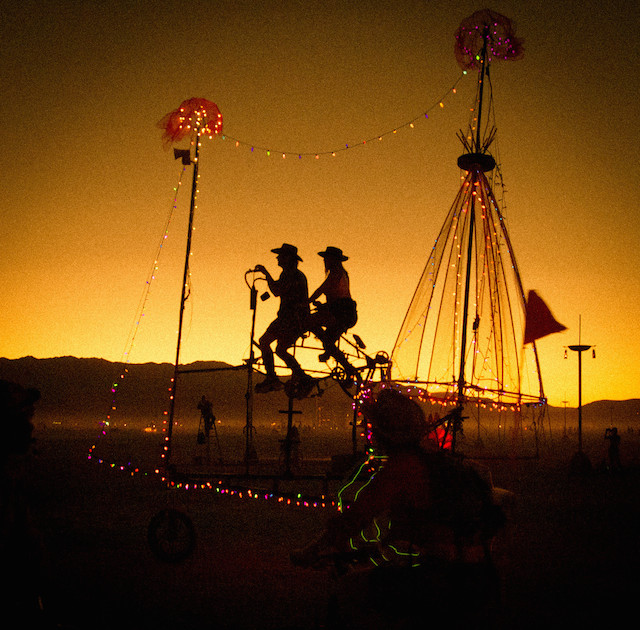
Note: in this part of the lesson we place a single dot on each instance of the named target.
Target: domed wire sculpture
(462, 337)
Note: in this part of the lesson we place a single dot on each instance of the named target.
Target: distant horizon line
(159, 363)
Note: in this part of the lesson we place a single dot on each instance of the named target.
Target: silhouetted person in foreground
(291, 322)
(20, 545)
(338, 312)
(425, 521)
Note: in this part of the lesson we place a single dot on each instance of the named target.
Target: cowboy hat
(333, 252)
(287, 250)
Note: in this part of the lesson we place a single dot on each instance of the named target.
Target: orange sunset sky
(87, 186)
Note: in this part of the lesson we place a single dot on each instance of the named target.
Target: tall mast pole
(476, 167)
(473, 163)
(183, 298)
(483, 71)
(465, 313)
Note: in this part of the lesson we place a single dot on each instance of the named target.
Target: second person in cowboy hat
(339, 312)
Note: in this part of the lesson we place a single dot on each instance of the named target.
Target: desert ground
(569, 553)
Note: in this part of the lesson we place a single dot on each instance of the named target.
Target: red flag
(539, 322)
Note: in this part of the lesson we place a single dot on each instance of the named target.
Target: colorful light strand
(346, 146)
(140, 313)
(193, 118)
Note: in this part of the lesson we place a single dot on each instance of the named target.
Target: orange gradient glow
(88, 187)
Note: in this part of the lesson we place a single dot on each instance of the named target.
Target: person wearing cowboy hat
(290, 323)
(339, 311)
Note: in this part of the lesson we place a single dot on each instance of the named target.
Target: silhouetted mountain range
(82, 390)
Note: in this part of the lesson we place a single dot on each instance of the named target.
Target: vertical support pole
(183, 298)
(481, 91)
(465, 319)
(580, 462)
(579, 348)
(248, 448)
(288, 441)
(354, 427)
(465, 314)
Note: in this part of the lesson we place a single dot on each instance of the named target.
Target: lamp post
(579, 348)
(580, 459)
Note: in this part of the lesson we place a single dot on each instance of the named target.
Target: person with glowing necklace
(424, 522)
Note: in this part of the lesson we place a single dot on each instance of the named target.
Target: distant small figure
(290, 450)
(338, 313)
(294, 435)
(206, 411)
(290, 324)
(614, 449)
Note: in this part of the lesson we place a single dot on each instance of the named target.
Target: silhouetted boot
(300, 385)
(270, 384)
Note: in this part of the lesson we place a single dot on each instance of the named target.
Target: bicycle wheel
(171, 535)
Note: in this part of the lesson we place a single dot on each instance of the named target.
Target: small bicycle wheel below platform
(171, 535)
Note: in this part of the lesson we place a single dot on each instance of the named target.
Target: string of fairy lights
(195, 124)
(496, 245)
(196, 118)
(140, 314)
(183, 125)
(346, 146)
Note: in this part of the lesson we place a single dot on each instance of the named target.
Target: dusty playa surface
(569, 553)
